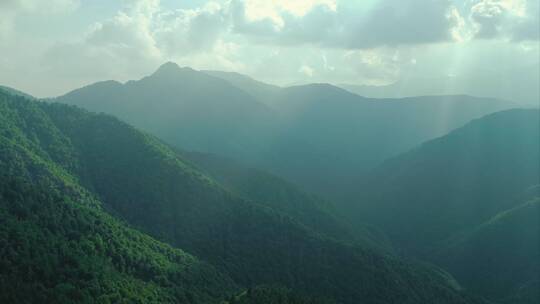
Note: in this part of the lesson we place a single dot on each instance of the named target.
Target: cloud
(262, 9)
(120, 46)
(183, 32)
(505, 19)
(51, 6)
(144, 31)
(217, 32)
(6, 24)
(377, 66)
(351, 26)
(124, 34)
(489, 16)
(363, 42)
(528, 27)
(306, 70)
(403, 23)
(141, 36)
(11, 9)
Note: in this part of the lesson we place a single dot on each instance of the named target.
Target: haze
(270, 152)
(486, 48)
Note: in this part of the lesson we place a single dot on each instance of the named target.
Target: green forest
(270, 152)
(179, 209)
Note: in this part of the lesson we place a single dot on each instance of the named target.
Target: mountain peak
(170, 68)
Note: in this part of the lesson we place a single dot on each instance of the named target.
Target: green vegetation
(14, 91)
(499, 258)
(276, 193)
(104, 170)
(274, 295)
(57, 245)
(320, 137)
(146, 183)
(459, 201)
(455, 182)
(92, 210)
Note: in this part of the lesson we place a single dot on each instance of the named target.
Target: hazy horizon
(270, 151)
(483, 48)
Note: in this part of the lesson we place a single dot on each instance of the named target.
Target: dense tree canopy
(82, 178)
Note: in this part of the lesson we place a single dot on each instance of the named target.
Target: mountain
(260, 90)
(464, 202)
(456, 181)
(161, 194)
(517, 83)
(274, 294)
(57, 242)
(296, 133)
(280, 195)
(499, 257)
(182, 106)
(356, 134)
(198, 112)
(14, 91)
(144, 183)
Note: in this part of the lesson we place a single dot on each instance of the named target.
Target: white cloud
(51, 6)
(528, 27)
(350, 25)
(183, 32)
(459, 31)
(377, 66)
(139, 38)
(364, 42)
(306, 70)
(505, 19)
(116, 48)
(255, 10)
(11, 9)
(6, 24)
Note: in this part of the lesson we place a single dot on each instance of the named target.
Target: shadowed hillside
(145, 183)
(295, 132)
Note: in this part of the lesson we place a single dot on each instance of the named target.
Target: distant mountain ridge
(14, 91)
(294, 132)
(510, 85)
(180, 105)
(498, 154)
(467, 201)
(257, 89)
(143, 182)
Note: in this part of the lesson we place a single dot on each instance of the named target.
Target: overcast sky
(50, 47)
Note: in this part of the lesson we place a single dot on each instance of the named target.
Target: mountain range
(517, 83)
(467, 201)
(294, 132)
(83, 190)
(212, 187)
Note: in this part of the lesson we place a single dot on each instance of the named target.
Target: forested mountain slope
(184, 107)
(14, 91)
(58, 245)
(468, 201)
(356, 134)
(268, 294)
(144, 182)
(499, 258)
(296, 133)
(280, 195)
(456, 181)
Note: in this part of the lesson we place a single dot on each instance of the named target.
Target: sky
(50, 47)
